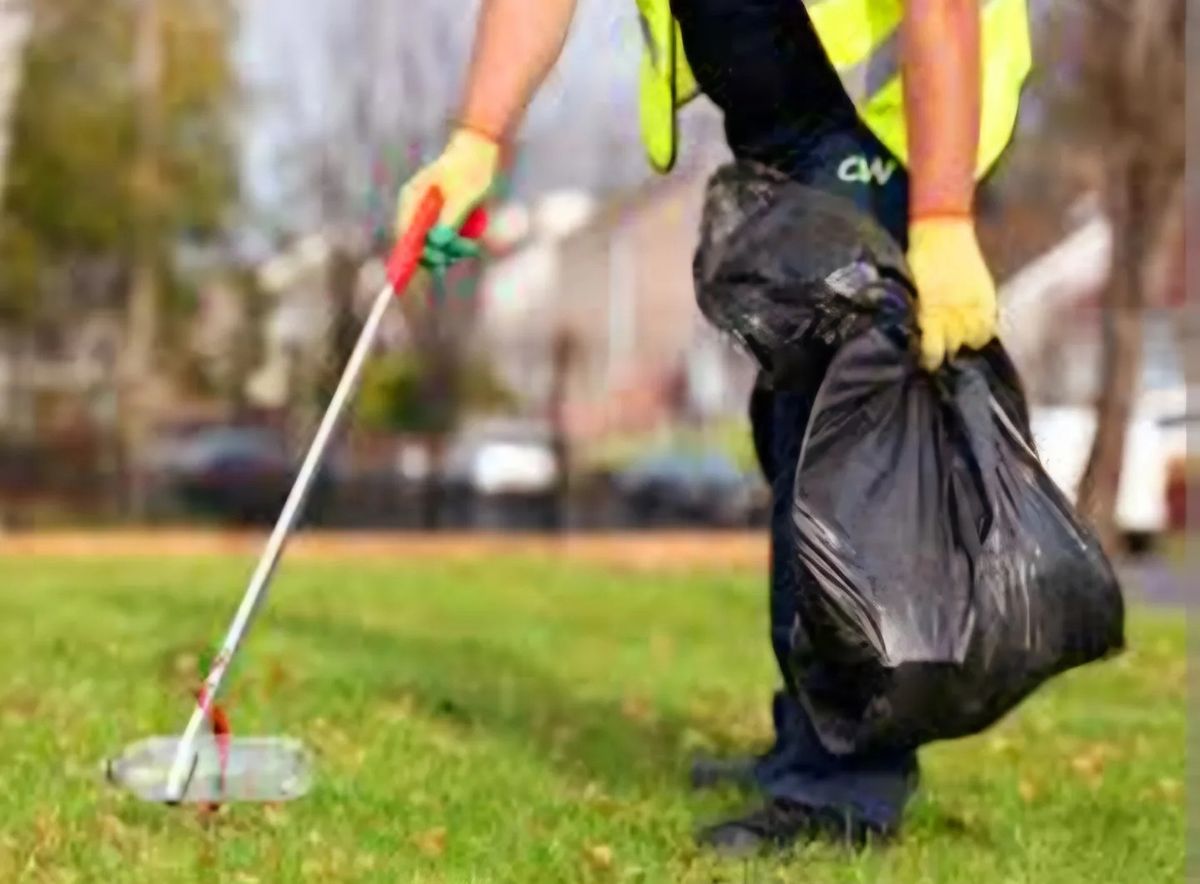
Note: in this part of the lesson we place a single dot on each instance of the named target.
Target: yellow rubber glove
(464, 173)
(956, 296)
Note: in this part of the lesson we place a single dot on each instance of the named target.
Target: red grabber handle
(406, 256)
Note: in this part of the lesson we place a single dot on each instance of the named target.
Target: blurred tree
(388, 94)
(415, 392)
(566, 348)
(122, 149)
(79, 188)
(1128, 101)
(394, 395)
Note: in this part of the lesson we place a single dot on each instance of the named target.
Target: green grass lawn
(518, 720)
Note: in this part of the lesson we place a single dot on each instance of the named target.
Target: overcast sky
(582, 130)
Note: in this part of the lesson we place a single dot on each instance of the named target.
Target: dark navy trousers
(873, 786)
(762, 63)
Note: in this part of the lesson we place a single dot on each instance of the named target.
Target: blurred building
(1052, 314)
(615, 280)
(296, 330)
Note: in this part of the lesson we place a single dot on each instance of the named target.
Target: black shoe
(712, 773)
(781, 824)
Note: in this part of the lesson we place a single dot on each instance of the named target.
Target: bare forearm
(516, 45)
(942, 94)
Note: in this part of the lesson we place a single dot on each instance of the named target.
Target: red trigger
(476, 224)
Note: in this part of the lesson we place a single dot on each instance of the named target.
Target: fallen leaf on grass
(186, 665)
(1125, 661)
(431, 842)
(596, 797)
(999, 745)
(277, 676)
(1090, 763)
(562, 736)
(535, 829)
(637, 710)
(1170, 788)
(599, 856)
(210, 816)
(693, 740)
(20, 708)
(274, 816)
(111, 826)
(662, 648)
(1041, 724)
(1028, 790)
(47, 829)
(398, 708)
(1088, 766)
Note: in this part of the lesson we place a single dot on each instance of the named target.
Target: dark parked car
(690, 489)
(239, 475)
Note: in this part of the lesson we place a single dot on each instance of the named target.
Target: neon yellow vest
(861, 38)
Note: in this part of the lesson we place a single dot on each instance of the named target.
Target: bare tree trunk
(344, 324)
(9, 435)
(432, 496)
(138, 373)
(137, 377)
(441, 392)
(1134, 72)
(1123, 309)
(247, 344)
(565, 350)
(15, 22)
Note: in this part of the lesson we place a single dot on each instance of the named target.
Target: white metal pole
(177, 780)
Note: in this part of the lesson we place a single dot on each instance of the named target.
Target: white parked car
(1155, 437)
(1064, 435)
(503, 457)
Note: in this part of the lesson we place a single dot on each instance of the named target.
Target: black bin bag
(942, 576)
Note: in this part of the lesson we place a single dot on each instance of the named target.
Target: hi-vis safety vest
(862, 40)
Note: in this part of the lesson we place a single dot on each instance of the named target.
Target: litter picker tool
(206, 764)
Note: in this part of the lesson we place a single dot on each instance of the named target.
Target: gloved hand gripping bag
(942, 576)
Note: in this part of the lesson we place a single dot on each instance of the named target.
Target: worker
(897, 105)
